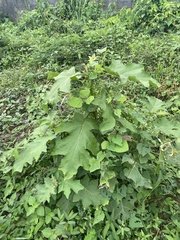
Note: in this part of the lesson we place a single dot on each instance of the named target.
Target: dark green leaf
(134, 174)
(91, 194)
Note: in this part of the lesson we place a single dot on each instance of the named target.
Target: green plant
(153, 16)
(136, 191)
(96, 159)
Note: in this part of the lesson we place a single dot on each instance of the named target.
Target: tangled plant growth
(98, 153)
(153, 16)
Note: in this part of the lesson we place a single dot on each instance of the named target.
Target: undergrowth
(89, 105)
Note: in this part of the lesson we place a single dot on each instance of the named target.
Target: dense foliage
(90, 112)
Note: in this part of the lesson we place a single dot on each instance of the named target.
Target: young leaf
(44, 191)
(116, 144)
(47, 232)
(32, 152)
(89, 100)
(51, 75)
(106, 176)
(91, 194)
(40, 211)
(74, 147)
(135, 175)
(134, 72)
(75, 102)
(84, 93)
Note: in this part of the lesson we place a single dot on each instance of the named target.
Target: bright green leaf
(134, 72)
(30, 210)
(47, 232)
(44, 191)
(91, 235)
(63, 84)
(106, 176)
(40, 211)
(99, 216)
(51, 75)
(31, 200)
(89, 100)
(104, 144)
(84, 93)
(119, 149)
(94, 164)
(39, 225)
(75, 102)
(69, 184)
(47, 219)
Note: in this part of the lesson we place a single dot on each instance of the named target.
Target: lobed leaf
(44, 191)
(136, 176)
(91, 194)
(63, 84)
(76, 147)
(32, 152)
(133, 72)
(69, 184)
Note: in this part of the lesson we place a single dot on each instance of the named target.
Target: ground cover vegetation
(90, 111)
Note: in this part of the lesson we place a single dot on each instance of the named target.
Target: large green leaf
(108, 121)
(168, 127)
(76, 147)
(63, 84)
(132, 71)
(44, 191)
(32, 152)
(154, 104)
(127, 124)
(122, 209)
(67, 184)
(134, 174)
(91, 194)
(65, 204)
